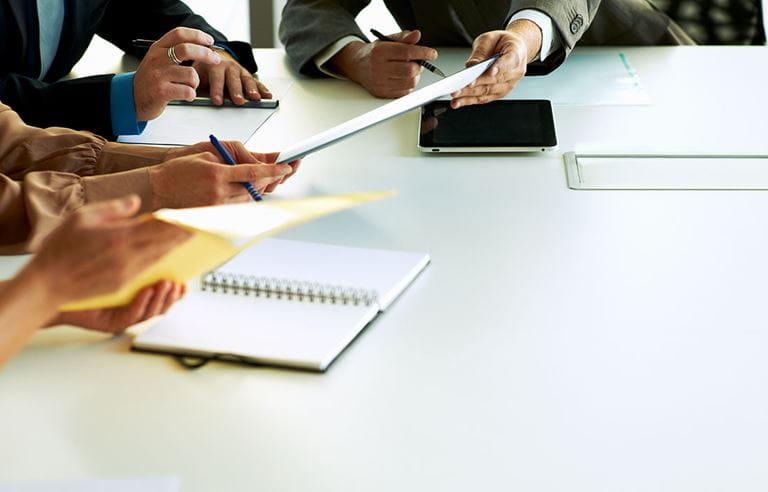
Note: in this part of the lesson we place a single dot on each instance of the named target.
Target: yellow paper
(219, 233)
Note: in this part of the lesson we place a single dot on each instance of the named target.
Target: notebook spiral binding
(248, 285)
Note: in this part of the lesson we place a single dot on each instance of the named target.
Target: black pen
(423, 63)
(147, 43)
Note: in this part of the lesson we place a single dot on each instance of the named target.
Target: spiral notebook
(284, 303)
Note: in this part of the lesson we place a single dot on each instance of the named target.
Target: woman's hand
(150, 302)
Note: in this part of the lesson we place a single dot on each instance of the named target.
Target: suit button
(577, 23)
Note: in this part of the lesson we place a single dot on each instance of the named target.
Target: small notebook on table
(284, 303)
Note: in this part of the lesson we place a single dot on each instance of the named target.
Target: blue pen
(229, 160)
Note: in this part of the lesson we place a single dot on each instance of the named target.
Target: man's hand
(241, 155)
(518, 45)
(385, 69)
(241, 85)
(201, 180)
(150, 302)
(159, 81)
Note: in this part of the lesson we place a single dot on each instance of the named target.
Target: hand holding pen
(266, 179)
(423, 63)
(386, 69)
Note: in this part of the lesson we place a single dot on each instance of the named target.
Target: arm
(571, 19)
(308, 27)
(25, 149)
(61, 103)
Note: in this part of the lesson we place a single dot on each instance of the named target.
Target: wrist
(43, 288)
(346, 60)
(527, 35)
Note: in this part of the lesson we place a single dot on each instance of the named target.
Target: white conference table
(560, 341)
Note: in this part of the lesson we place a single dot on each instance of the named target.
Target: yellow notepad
(219, 233)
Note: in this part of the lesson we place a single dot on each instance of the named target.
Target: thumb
(482, 49)
(407, 37)
(106, 212)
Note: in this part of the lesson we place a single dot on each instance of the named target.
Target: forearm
(310, 26)
(26, 304)
(25, 149)
(32, 208)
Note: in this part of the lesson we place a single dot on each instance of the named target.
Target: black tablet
(524, 125)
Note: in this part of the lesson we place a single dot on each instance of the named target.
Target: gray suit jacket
(310, 26)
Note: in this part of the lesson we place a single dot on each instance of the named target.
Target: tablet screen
(521, 123)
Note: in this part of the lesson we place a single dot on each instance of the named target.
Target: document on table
(162, 484)
(397, 107)
(187, 125)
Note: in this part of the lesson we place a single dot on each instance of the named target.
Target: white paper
(163, 484)
(187, 125)
(390, 110)
(235, 222)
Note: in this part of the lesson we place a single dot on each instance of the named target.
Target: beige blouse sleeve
(45, 174)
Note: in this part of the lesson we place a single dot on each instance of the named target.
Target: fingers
(134, 312)
(264, 90)
(106, 212)
(483, 48)
(407, 37)
(177, 92)
(404, 70)
(256, 172)
(404, 52)
(183, 75)
(235, 85)
(196, 53)
(185, 35)
(250, 86)
(162, 290)
(269, 158)
(216, 85)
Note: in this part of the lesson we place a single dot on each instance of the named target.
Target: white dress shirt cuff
(550, 38)
(325, 56)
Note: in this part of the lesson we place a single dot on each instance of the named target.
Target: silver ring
(173, 57)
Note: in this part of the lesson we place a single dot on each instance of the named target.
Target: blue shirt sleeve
(228, 50)
(124, 121)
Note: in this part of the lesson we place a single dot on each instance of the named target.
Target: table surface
(560, 340)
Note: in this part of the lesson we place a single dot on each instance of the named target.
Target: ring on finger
(172, 55)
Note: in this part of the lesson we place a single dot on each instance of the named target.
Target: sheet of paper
(187, 125)
(162, 484)
(602, 79)
(390, 110)
(233, 222)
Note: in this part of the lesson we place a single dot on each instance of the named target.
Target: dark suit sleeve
(61, 103)
(126, 20)
(571, 19)
(310, 26)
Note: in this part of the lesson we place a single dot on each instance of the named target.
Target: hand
(159, 81)
(385, 69)
(517, 45)
(231, 74)
(241, 155)
(150, 302)
(200, 180)
(99, 248)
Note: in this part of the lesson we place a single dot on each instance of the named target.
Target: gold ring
(173, 57)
